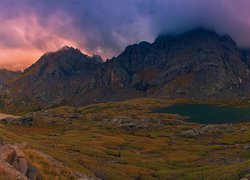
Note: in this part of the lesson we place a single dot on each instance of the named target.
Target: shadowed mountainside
(197, 64)
(6, 76)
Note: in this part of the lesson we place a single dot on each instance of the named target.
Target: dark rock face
(56, 78)
(196, 64)
(246, 56)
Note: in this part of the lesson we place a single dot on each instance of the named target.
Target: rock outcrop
(139, 122)
(208, 130)
(26, 120)
(198, 63)
(14, 164)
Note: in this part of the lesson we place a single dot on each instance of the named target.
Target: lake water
(209, 113)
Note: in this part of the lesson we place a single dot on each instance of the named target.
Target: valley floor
(125, 140)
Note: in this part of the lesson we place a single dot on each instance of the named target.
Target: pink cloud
(24, 39)
(106, 27)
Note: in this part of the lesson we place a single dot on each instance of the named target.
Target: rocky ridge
(198, 64)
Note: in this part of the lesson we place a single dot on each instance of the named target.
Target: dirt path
(3, 116)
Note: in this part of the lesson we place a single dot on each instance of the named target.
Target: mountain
(196, 64)
(199, 63)
(56, 78)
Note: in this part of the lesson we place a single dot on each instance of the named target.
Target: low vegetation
(125, 140)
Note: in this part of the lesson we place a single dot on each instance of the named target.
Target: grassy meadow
(62, 148)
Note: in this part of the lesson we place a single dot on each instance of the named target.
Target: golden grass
(88, 147)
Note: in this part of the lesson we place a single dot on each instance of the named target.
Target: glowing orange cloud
(18, 59)
(26, 40)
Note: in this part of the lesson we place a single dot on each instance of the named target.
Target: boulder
(32, 173)
(26, 120)
(7, 153)
(13, 157)
(246, 147)
(23, 165)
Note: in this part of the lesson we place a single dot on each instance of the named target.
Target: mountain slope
(56, 77)
(197, 64)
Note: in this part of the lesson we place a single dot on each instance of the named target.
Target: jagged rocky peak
(66, 58)
(132, 48)
(212, 62)
(58, 76)
(65, 48)
(68, 49)
(65, 52)
(68, 53)
(97, 58)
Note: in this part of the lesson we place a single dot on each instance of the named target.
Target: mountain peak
(66, 59)
(67, 48)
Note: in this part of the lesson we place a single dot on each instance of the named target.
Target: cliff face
(197, 64)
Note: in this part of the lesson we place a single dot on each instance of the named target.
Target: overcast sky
(30, 28)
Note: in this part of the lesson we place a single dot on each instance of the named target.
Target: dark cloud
(105, 27)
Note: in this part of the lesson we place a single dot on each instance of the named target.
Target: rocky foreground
(14, 164)
(128, 140)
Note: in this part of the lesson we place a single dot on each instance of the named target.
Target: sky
(29, 28)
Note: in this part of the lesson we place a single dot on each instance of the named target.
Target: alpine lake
(208, 113)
